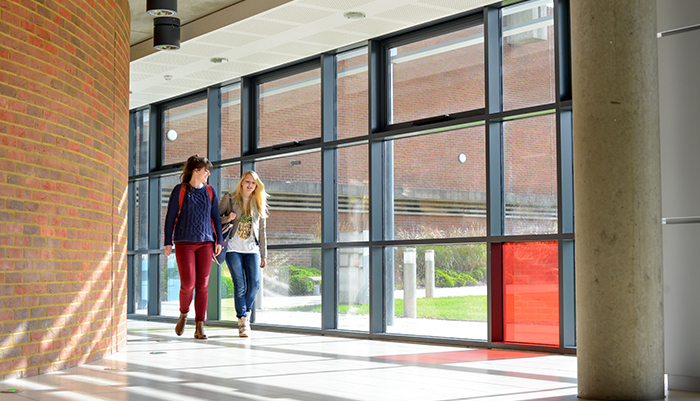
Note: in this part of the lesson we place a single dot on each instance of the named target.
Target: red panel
(461, 356)
(496, 292)
(531, 293)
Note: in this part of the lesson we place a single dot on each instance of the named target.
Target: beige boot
(180, 326)
(243, 326)
(199, 331)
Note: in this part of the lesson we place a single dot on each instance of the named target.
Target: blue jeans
(245, 272)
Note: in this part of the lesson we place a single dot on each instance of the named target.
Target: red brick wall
(64, 80)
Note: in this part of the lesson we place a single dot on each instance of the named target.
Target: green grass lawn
(469, 307)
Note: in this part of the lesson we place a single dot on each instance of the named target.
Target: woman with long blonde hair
(246, 211)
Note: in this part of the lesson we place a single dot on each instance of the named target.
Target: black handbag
(226, 232)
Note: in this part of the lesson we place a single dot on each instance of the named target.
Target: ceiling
(255, 35)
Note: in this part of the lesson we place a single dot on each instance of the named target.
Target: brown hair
(193, 163)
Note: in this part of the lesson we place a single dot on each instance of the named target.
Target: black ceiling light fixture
(161, 8)
(166, 33)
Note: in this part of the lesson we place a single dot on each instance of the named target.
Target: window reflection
(290, 292)
(531, 175)
(436, 195)
(436, 76)
(185, 131)
(439, 290)
(290, 108)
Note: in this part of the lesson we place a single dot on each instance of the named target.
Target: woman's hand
(263, 262)
(217, 249)
(231, 217)
(168, 250)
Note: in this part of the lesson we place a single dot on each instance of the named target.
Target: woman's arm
(215, 217)
(171, 215)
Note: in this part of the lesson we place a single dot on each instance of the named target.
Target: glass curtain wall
(420, 184)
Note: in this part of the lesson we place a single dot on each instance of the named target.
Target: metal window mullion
(329, 191)
(155, 136)
(567, 285)
(154, 212)
(133, 168)
(214, 153)
(378, 95)
(495, 208)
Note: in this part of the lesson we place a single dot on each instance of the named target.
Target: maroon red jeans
(194, 265)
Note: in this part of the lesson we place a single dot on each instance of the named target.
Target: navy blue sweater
(196, 215)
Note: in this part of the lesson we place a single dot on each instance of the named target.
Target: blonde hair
(257, 205)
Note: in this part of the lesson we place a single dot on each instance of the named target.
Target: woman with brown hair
(192, 222)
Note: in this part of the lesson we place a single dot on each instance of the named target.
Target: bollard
(429, 273)
(409, 282)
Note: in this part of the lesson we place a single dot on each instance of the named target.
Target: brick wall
(64, 80)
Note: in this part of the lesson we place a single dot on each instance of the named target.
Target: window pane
(353, 102)
(167, 183)
(185, 132)
(440, 185)
(294, 184)
(140, 283)
(528, 54)
(289, 292)
(436, 76)
(531, 175)
(353, 289)
(231, 121)
(230, 175)
(531, 291)
(170, 287)
(290, 108)
(353, 194)
(438, 291)
(140, 154)
(140, 220)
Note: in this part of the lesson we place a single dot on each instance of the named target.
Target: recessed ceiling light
(354, 15)
(218, 60)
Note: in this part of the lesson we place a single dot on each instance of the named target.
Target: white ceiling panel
(299, 49)
(263, 34)
(412, 14)
(344, 5)
(297, 14)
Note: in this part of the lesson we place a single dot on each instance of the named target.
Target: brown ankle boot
(180, 326)
(199, 331)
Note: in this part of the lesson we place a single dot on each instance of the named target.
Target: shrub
(297, 286)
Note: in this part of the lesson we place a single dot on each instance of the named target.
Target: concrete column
(617, 184)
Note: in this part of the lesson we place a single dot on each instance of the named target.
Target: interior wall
(64, 89)
(679, 87)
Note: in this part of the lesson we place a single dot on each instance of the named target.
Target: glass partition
(440, 185)
(528, 54)
(353, 194)
(184, 131)
(231, 121)
(440, 75)
(289, 292)
(531, 293)
(353, 289)
(352, 87)
(294, 184)
(530, 180)
(438, 290)
(289, 109)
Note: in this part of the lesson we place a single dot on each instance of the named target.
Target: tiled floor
(157, 365)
